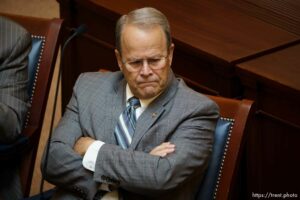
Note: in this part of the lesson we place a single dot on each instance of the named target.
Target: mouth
(147, 84)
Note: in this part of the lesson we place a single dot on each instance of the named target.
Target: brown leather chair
(221, 175)
(42, 58)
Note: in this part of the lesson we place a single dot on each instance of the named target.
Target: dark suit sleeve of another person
(15, 45)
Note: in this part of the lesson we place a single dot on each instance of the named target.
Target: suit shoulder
(96, 79)
(16, 34)
(194, 99)
(11, 26)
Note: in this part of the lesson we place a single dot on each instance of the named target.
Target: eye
(136, 63)
(153, 61)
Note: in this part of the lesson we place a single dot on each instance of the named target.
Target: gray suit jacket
(15, 44)
(179, 115)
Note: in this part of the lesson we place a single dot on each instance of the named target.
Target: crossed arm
(162, 168)
(147, 171)
(162, 150)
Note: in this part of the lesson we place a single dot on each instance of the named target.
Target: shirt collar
(144, 102)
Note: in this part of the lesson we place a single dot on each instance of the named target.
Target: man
(160, 151)
(15, 45)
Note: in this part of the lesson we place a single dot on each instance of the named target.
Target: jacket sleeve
(13, 86)
(64, 166)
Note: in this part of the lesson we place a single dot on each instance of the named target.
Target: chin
(147, 94)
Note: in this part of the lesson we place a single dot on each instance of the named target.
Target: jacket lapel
(153, 112)
(117, 102)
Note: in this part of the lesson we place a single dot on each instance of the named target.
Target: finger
(163, 151)
(158, 149)
(163, 146)
(168, 150)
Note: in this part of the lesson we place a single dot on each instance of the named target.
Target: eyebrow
(154, 56)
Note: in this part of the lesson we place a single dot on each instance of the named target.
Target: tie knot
(135, 102)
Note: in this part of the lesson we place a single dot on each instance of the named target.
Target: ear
(171, 51)
(119, 59)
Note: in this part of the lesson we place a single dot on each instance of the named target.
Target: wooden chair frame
(239, 111)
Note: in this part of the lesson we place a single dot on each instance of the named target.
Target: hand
(163, 149)
(82, 144)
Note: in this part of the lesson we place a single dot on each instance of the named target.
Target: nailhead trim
(35, 76)
(224, 155)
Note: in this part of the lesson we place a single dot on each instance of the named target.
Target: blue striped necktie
(126, 123)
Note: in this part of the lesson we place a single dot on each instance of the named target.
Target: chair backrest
(218, 182)
(42, 58)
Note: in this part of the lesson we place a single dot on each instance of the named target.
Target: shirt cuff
(90, 157)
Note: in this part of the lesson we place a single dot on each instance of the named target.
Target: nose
(146, 69)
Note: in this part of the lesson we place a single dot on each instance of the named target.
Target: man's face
(145, 60)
